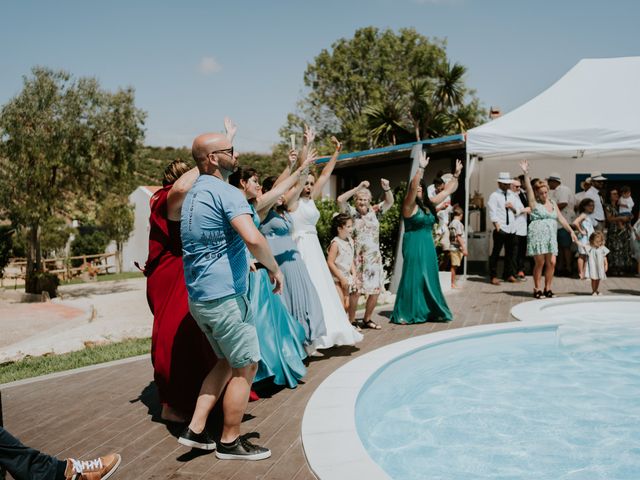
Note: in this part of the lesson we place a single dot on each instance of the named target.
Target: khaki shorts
(456, 258)
(228, 324)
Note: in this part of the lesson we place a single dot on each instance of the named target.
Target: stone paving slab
(115, 408)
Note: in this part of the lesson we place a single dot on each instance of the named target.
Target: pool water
(553, 403)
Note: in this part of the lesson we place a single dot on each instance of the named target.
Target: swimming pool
(551, 398)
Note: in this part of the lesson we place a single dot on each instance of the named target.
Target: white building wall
(136, 248)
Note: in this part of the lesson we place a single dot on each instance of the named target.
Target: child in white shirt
(625, 203)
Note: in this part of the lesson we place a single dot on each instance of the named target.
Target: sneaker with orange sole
(99, 468)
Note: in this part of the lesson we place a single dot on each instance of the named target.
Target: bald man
(216, 228)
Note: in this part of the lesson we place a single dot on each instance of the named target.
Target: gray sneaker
(241, 449)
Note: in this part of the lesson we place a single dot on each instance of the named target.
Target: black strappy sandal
(372, 325)
(537, 294)
(548, 294)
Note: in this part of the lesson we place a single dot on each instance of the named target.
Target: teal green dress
(542, 236)
(281, 337)
(420, 298)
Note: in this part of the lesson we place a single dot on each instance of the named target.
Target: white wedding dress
(339, 330)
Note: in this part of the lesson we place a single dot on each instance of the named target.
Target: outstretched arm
(409, 202)
(291, 165)
(178, 192)
(293, 195)
(565, 224)
(388, 195)
(450, 187)
(327, 170)
(346, 196)
(269, 199)
(524, 165)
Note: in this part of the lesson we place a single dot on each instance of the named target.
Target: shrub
(327, 209)
(90, 241)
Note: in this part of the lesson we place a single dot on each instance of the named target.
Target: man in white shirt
(597, 184)
(520, 228)
(561, 194)
(501, 214)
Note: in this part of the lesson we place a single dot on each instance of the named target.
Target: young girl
(597, 264)
(584, 225)
(341, 261)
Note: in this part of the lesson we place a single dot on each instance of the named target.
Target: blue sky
(193, 62)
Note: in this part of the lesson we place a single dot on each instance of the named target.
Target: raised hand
(363, 184)
(458, 168)
(293, 157)
(336, 143)
(309, 134)
(230, 128)
(423, 161)
(524, 165)
(384, 183)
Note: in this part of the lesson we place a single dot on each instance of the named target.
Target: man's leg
(235, 401)
(509, 256)
(25, 463)
(210, 391)
(498, 243)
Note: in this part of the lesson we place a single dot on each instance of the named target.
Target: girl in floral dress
(368, 259)
(340, 260)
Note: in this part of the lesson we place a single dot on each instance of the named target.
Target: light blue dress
(299, 294)
(281, 337)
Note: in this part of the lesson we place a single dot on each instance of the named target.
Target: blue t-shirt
(214, 255)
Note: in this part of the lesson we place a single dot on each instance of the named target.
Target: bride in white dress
(305, 217)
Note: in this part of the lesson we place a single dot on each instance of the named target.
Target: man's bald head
(206, 143)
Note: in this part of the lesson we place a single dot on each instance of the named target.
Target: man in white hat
(597, 184)
(502, 212)
(561, 194)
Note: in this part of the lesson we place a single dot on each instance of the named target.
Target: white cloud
(209, 65)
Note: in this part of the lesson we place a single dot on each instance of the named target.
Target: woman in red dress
(180, 353)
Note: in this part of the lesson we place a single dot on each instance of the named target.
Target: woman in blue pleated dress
(280, 335)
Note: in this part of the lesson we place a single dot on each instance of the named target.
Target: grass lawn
(107, 277)
(34, 366)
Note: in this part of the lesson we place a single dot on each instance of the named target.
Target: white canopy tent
(589, 120)
(594, 109)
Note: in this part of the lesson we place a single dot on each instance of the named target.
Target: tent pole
(467, 183)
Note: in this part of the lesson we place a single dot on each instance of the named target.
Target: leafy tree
(64, 145)
(116, 220)
(383, 87)
(6, 245)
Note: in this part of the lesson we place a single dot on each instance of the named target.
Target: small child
(625, 203)
(584, 225)
(457, 244)
(597, 264)
(341, 261)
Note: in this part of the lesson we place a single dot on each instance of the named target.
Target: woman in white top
(305, 217)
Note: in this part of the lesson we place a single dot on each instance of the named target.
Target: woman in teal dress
(542, 235)
(420, 298)
(281, 337)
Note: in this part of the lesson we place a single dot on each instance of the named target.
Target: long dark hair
(242, 173)
(424, 203)
(583, 204)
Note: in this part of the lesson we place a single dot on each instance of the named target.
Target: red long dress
(180, 352)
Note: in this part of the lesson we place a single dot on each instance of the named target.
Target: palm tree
(420, 105)
(385, 120)
(450, 90)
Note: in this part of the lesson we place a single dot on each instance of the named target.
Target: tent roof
(592, 110)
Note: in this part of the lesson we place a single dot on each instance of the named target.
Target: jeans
(25, 463)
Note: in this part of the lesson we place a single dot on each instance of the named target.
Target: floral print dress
(368, 259)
